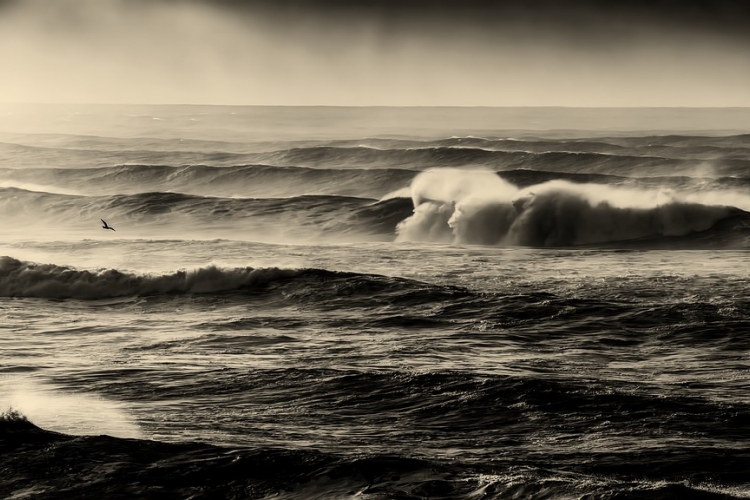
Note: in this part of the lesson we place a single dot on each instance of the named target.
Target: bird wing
(103, 221)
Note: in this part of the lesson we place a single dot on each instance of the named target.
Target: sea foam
(478, 207)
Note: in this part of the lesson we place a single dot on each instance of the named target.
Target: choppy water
(374, 303)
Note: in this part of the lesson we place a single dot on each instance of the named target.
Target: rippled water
(331, 356)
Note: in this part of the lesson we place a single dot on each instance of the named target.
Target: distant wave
(682, 145)
(644, 155)
(669, 146)
(627, 162)
(534, 191)
(28, 156)
(239, 180)
(419, 157)
(267, 181)
(39, 188)
(318, 214)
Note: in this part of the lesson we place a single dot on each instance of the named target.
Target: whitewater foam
(37, 188)
(64, 411)
(478, 207)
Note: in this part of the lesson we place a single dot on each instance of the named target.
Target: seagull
(106, 226)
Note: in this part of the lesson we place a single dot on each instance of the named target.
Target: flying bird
(106, 226)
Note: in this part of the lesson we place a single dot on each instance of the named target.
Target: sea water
(374, 302)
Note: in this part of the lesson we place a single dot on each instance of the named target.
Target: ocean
(375, 303)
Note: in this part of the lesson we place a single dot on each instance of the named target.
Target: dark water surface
(373, 303)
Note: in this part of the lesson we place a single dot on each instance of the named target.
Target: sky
(377, 52)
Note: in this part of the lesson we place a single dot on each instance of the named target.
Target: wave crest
(25, 279)
(475, 208)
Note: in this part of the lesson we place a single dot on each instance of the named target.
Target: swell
(239, 180)
(334, 192)
(725, 155)
(28, 156)
(677, 146)
(525, 141)
(445, 156)
(152, 211)
(25, 279)
(267, 181)
(627, 155)
(596, 317)
(419, 405)
(527, 177)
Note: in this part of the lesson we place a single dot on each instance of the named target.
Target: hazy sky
(377, 52)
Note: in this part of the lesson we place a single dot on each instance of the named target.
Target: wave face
(51, 281)
(23, 279)
(152, 214)
(246, 181)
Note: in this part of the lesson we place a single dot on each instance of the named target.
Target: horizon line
(390, 106)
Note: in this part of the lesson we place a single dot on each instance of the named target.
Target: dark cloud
(730, 18)
(585, 26)
(377, 52)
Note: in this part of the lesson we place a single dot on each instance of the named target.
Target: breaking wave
(27, 279)
(478, 207)
(445, 206)
(657, 190)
